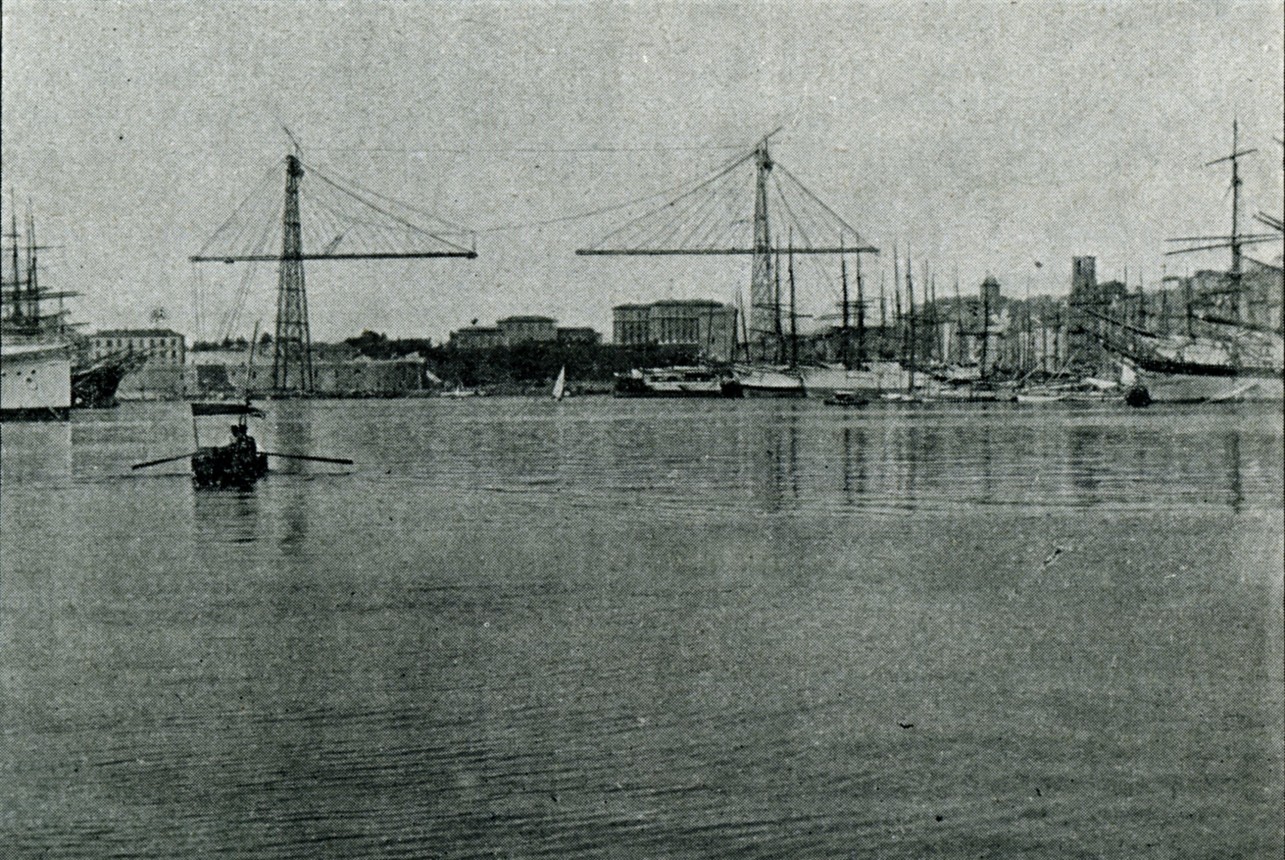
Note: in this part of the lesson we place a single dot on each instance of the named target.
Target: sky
(986, 137)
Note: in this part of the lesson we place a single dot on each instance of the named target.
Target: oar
(164, 460)
(317, 459)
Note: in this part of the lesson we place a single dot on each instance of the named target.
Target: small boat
(846, 398)
(240, 463)
(560, 384)
(461, 391)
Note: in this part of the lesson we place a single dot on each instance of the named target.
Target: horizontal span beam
(19, 294)
(274, 258)
(716, 252)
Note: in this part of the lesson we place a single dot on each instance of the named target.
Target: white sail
(560, 385)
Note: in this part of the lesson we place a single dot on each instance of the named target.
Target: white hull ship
(758, 380)
(35, 382)
(872, 378)
(676, 382)
(35, 353)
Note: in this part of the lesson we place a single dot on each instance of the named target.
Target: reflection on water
(37, 451)
(620, 628)
(225, 516)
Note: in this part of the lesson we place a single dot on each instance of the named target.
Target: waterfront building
(337, 372)
(629, 325)
(477, 337)
(524, 329)
(707, 326)
(511, 331)
(161, 376)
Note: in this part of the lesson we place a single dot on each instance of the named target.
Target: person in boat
(242, 442)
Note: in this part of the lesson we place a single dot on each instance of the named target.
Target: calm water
(628, 629)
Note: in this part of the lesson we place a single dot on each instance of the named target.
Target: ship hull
(872, 379)
(228, 467)
(96, 388)
(1204, 388)
(35, 383)
(676, 382)
(769, 382)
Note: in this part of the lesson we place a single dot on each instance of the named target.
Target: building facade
(524, 329)
(709, 327)
(477, 337)
(161, 376)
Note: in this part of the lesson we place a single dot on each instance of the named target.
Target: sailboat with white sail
(560, 384)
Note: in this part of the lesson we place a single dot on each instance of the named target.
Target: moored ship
(677, 382)
(1232, 347)
(35, 349)
(35, 381)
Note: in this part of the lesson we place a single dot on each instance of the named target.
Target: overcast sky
(988, 136)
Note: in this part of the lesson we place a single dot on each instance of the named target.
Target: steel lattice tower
(765, 306)
(292, 347)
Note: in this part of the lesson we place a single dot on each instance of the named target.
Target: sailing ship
(35, 346)
(1232, 346)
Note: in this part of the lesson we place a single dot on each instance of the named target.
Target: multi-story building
(629, 324)
(477, 337)
(522, 329)
(161, 376)
(709, 327)
(162, 346)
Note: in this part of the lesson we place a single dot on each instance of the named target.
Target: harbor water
(666, 629)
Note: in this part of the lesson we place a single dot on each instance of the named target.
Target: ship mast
(794, 318)
(910, 310)
(843, 277)
(861, 316)
(17, 278)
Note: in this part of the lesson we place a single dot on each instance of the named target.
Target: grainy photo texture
(642, 430)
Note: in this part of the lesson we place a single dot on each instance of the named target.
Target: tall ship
(35, 345)
(1230, 345)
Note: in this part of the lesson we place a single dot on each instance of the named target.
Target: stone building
(523, 329)
(709, 327)
(161, 376)
(477, 337)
